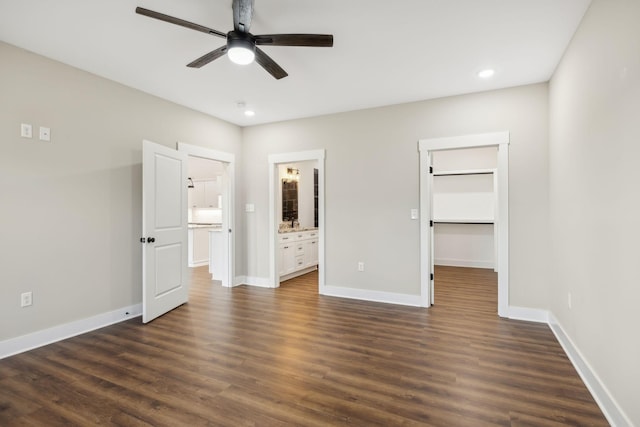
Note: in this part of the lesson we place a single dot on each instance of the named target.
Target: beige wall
(595, 195)
(70, 210)
(372, 183)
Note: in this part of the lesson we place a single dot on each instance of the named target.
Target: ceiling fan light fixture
(241, 50)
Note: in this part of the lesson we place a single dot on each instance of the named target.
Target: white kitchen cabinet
(198, 249)
(218, 260)
(204, 194)
(211, 193)
(298, 253)
(196, 195)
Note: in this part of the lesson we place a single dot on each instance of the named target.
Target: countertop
(297, 230)
(201, 225)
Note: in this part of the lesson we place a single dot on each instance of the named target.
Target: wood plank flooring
(273, 357)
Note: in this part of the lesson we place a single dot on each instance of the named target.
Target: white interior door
(165, 284)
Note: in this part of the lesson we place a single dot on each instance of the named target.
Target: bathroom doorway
(296, 200)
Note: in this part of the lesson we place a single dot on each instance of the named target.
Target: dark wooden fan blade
(242, 14)
(211, 56)
(270, 65)
(312, 40)
(178, 21)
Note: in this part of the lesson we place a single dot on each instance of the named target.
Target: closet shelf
(465, 172)
(462, 221)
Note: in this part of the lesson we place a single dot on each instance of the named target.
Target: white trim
(228, 205)
(425, 148)
(206, 153)
(610, 408)
(464, 172)
(452, 262)
(274, 160)
(529, 314)
(260, 282)
(58, 333)
(464, 141)
(375, 296)
(299, 156)
(198, 264)
(298, 273)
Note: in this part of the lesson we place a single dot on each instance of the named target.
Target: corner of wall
(610, 408)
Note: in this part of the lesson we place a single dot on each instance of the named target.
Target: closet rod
(461, 173)
(465, 222)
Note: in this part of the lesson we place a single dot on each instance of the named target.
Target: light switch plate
(414, 213)
(25, 130)
(249, 207)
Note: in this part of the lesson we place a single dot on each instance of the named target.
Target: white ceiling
(385, 52)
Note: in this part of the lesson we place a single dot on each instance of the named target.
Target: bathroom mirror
(289, 200)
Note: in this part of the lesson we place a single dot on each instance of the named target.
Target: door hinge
(430, 223)
(430, 169)
(229, 230)
(143, 240)
(431, 276)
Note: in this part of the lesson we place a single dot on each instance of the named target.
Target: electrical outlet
(26, 299)
(45, 134)
(569, 300)
(360, 266)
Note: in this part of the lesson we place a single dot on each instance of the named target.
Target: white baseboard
(261, 282)
(57, 333)
(610, 408)
(199, 264)
(298, 273)
(369, 295)
(528, 314)
(451, 262)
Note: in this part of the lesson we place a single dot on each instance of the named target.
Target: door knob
(151, 239)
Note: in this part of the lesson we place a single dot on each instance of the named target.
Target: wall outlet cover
(26, 299)
(45, 134)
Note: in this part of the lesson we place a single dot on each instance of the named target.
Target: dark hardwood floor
(270, 357)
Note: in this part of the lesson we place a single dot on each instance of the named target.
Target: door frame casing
(425, 148)
(227, 202)
(274, 161)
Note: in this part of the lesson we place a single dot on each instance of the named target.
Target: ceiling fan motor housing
(241, 40)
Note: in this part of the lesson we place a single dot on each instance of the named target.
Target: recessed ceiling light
(485, 74)
(249, 113)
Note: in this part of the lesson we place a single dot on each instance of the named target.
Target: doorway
(210, 211)
(427, 150)
(284, 171)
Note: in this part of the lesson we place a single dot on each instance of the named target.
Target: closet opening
(464, 211)
(464, 203)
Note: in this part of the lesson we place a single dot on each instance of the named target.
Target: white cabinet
(287, 258)
(311, 253)
(298, 253)
(198, 247)
(204, 194)
(196, 195)
(211, 193)
(219, 255)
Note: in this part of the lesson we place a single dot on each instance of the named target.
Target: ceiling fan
(242, 46)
